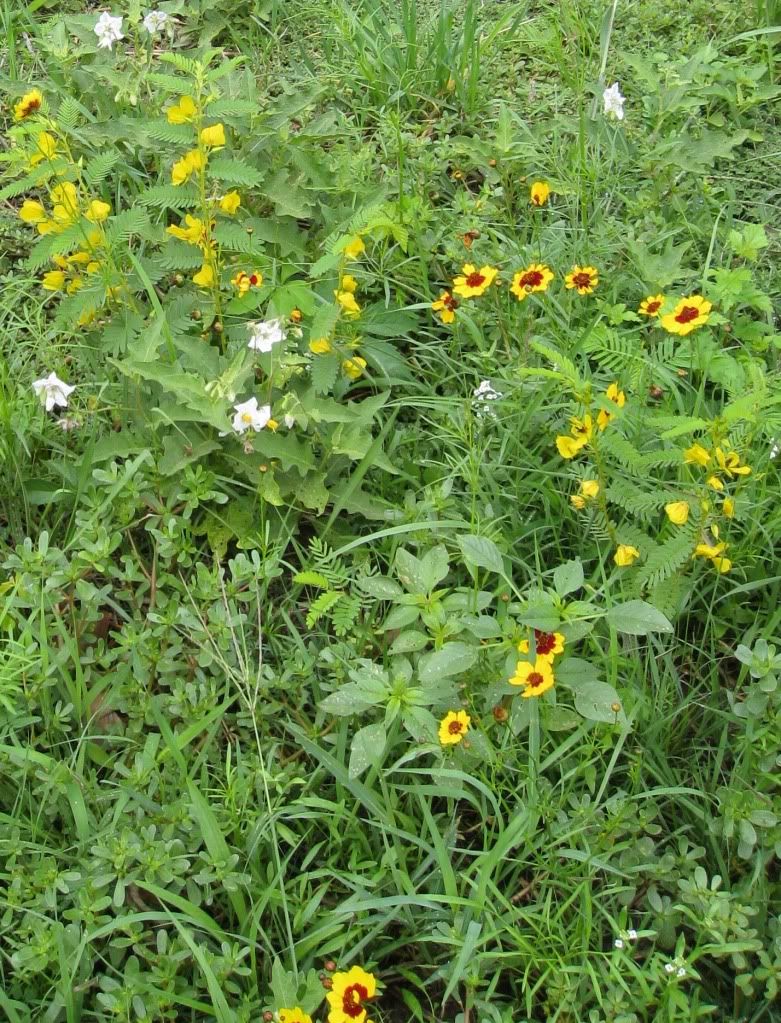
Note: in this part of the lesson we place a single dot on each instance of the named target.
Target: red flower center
(544, 641)
(352, 998)
(253, 279)
(450, 302)
(582, 280)
(535, 679)
(531, 279)
(474, 280)
(455, 727)
(687, 314)
(653, 307)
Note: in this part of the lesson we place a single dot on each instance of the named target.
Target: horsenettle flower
(472, 282)
(53, 391)
(650, 306)
(546, 645)
(535, 277)
(296, 1015)
(690, 313)
(625, 555)
(251, 416)
(28, 104)
(536, 678)
(347, 995)
(614, 102)
(355, 248)
(583, 279)
(677, 512)
(244, 281)
(156, 21)
(108, 29)
(264, 335)
(453, 727)
(539, 192)
(446, 306)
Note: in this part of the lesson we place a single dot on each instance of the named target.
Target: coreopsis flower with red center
(30, 103)
(244, 281)
(536, 678)
(539, 192)
(546, 644)
(535, 277)
(729, 462)
(690, 313)
(453, 727)
(650, 306)
(677, 512)
(348, 995)
(583, 279)
(471, 283)
(183, 111)
(296, 1015)
(625, 555)
(445, 306)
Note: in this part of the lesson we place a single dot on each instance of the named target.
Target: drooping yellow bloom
(32, 212)
(677, 512)
(446, 307)
(625, 555)
(589, 489)
(697, 455)
(347, 301)
(191, 163)
(193, 234)
(348, 994)
(230, 203)
(728, 507)
(615, 395)
(536, 678)
(205, 276)
(472, 283)
(583, 279)
(729, 462)
(690, 313)
(65, 199)
(715, 482)
(539, 192)
(453, 727)
(183, 111)
(650, 306)
(296, 1015)
(547, 645)
(355, 248)
(244, 281)
(568, 447)
(535, 277)
(97, 211)
(715, 553)
(320, 346)
(354, 367)
(45, 148)
(54, 280)
(28, 104)
(213, 136)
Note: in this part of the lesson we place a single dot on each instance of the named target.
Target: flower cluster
(686, 315)
(108, 27)
(582, 430)
(536, 674)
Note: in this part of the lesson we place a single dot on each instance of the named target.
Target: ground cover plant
(389, 420)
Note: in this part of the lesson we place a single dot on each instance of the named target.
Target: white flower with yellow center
(53, 391)
(264, 335)
(108, 29)
(251, 416)
(156, 21)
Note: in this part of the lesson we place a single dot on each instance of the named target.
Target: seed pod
(217, 327)
(656, 391)
(615, 707)
(268, 1016)
(500, 713)
(178, 280)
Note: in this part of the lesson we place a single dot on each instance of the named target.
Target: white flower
(156, 21)
(485, 392)
(290, 422)
(53, 391)
(681, 972)
(774, 450)
(632, 934)
(669, 967)
(264, 335)
(68, 423)
(108, 29)
(614, 102)
(250, 416)
(618, 943)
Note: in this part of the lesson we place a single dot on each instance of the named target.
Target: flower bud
(500, 713)
(195, 315)
(329, 965)
(217, 327)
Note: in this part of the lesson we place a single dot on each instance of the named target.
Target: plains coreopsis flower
(156, 21)
(296, 1015)
(265, 334)
(251, 416)
(349, 992)
(536, 678)
(536, 277)
(108, 29)
(28, 104)
(546, 644)
(53, 391)
(453, 727)
(445, 306)
(471, 283)
(613, 102)
(582, 279)
(651, 305)
(689, 314)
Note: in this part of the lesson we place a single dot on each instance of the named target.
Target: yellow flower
(191, 163)
(193, 234)
(46, 148)
(348, 283)
(185, 110)
(244, 281)
(32, 212)
(28, 104)
(583, 279)
(348, 993)
(582, 428)
(728, 507)
(320, 346)
(535, 277)
(355, 248)
(625, 555)
(97, 211)
(650, 306)
(536, 678)
(690, 313)
(618, 398)
(446, 306)
(473, 282)
(205, 276)
(296, 1015)
(714, 552)
(453, 727)
(230, 203)
(568, 447)
(677, 512)
(729, 462)
(547, 645)
(715, 483)
(54, 280)
(578, 502)
(347, 301)
(354, 367)
(589, 489)
(65, 199)
(213, 136)
(697, 455)
(539, 192)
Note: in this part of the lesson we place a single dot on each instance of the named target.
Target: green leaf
(434, 566)
(748, 242)
(638, 618)
(480, 552)
(210, 831)
(596, 701)
(368, 747)
(345, 702)
(568, 577)
(380, 587)
(574, 672)
(452, 659)
(284, 987)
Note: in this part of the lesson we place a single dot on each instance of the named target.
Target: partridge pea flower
(191, 163)
(355, 248)
(213, 137)
(625, 555)
(677, 512)
(183, 111)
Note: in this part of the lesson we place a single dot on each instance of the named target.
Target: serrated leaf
(323, 371)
